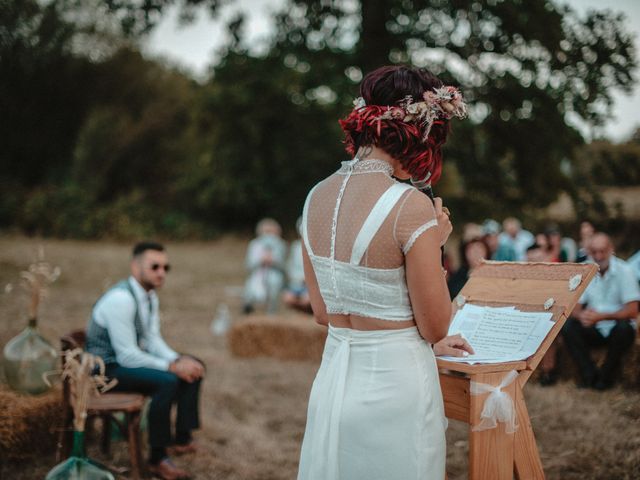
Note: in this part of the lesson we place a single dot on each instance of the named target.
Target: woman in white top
(373, 268)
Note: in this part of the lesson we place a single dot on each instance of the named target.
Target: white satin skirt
(375, 410)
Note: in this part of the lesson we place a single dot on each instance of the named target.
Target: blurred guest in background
(542, 241)
(471, 231)
(541, 252)
(124, 330)
(265, 263)
(557, 251)
(501, 252)
(472, 252)
(536, 253)
(604, 315)
(586, 232)
(570, 248)
(296, 294)
(515, 236)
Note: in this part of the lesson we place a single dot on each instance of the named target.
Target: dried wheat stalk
(35, 281)
(83, 384)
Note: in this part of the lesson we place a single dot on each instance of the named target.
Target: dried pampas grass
(36, 280)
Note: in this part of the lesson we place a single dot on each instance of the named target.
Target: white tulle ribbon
(498, 407)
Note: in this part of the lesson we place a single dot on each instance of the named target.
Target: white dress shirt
(524, 239)
(610, 292)
(115, 312)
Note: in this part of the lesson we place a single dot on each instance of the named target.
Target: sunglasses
(156, 266)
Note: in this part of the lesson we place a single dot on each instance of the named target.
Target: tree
(40, 100)
(604, 163)
(530, 71)
(265, 144)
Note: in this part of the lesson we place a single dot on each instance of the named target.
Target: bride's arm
(317, 303)
(425, 276)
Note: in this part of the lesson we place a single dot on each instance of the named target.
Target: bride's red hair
(388, 86)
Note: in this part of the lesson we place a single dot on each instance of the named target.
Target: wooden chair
(106, 406)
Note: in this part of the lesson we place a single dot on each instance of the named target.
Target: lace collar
(370, 165)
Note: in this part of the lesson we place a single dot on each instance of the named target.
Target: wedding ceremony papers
(499, 335)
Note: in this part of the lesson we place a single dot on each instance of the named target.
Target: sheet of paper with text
(502, 334)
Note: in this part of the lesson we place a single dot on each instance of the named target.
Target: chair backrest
(73, 339)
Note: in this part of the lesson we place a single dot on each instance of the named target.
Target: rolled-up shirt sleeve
(116, 312)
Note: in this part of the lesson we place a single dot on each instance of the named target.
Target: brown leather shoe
(167, 470)
(191, 447)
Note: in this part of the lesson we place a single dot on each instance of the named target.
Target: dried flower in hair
(359, 103)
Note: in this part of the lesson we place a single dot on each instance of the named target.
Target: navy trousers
(579, 341)
(165, 389)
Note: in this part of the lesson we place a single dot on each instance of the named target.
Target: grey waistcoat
(98, 341)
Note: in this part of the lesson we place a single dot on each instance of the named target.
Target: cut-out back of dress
(358, 225)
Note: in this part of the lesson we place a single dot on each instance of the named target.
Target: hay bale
(28, 425)
(291, 337)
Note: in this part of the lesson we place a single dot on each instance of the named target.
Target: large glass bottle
(28, 356)
(78, 466)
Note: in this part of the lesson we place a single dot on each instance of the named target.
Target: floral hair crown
(445, 102)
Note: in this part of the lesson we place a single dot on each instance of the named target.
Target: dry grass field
(253, 410)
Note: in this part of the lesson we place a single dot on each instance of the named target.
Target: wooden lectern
(495, 454)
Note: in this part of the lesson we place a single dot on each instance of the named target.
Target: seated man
(124, 330)
(604, 315)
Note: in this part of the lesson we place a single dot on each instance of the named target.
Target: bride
(373, 269)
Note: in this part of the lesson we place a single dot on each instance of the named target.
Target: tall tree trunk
(375, 40)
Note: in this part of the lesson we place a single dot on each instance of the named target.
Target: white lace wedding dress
(375, 409)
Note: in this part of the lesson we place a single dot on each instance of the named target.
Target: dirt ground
(253, 410)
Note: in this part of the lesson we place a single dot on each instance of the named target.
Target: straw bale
(292, 337)
(28, 425)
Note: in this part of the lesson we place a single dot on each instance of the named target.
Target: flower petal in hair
(359, 103)
(449, 101)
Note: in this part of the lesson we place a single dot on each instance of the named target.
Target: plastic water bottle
(221, 320)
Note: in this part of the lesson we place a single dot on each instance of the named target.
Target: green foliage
(43, 91)
(99, 141)
(608, 164)
(527, 69)
(263, 150)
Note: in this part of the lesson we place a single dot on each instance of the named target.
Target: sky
(195, 46)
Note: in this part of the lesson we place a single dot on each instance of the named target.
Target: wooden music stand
(495, 454)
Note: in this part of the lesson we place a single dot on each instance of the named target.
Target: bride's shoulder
(416, 202)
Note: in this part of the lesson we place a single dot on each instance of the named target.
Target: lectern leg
(491, 452)
(527, 459)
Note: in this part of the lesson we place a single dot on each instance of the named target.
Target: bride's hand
(442, 217)
(454, 346)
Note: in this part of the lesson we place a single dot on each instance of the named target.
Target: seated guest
(500, 252)
(604, 315)
(296, 294)
(538, 253)
(514, 235)
(265, 264)
(558, 246)
(472, 252)
(124, 330)
(542, 241)
(586, 232)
